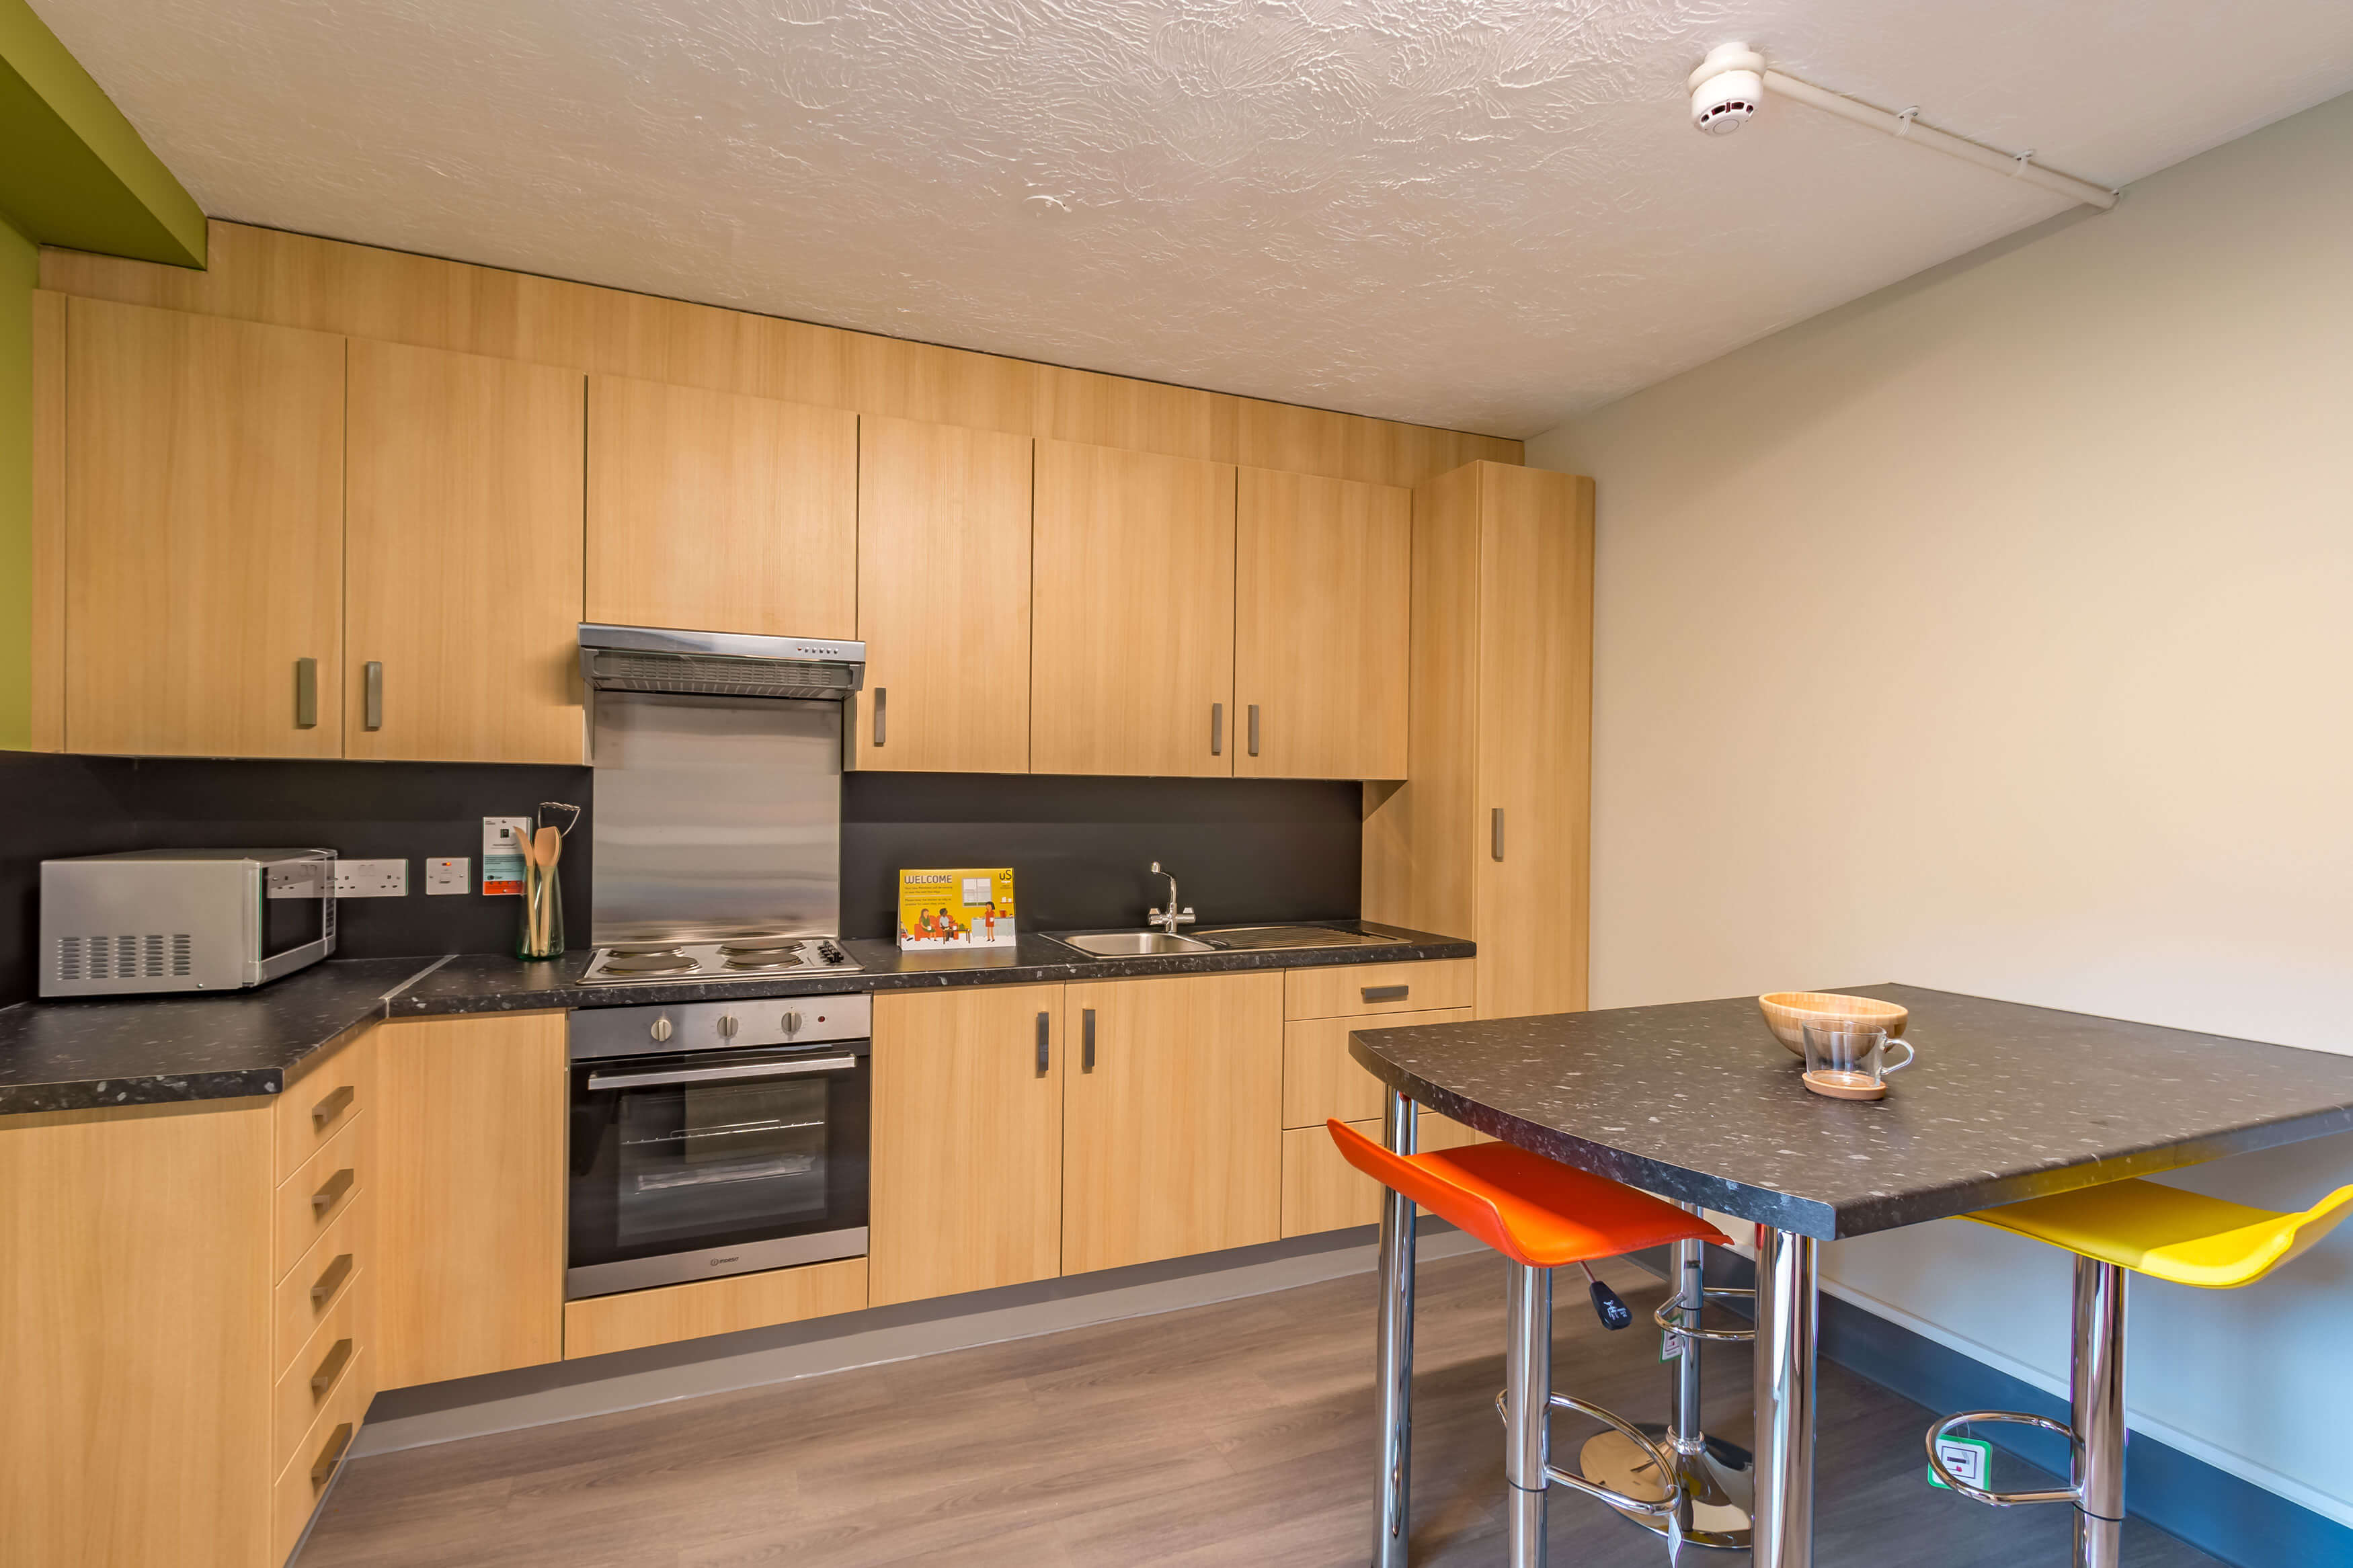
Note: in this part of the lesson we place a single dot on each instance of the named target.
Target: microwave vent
(152, 956)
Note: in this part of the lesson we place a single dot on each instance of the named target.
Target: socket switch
(371, 878)
(447, 874)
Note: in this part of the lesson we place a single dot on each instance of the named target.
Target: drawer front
(320, 1191)
(1370, 990)
(321, 1279)
(1320, 1079)
(324, 1100)
(327, 1361)
(304, 1480)
(1321, 1191)
(668, 1313)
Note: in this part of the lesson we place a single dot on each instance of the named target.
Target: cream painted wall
(1995, 633)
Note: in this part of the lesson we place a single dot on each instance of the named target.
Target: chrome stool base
(1719, 1480)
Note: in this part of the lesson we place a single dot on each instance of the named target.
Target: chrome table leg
(1527, 1404)
(2097, 1413)
(1394, 1391)
(1784, 1531)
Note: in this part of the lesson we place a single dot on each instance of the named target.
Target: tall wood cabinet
(204, 535)
(1132, 651)
(943, 598)
(1489, 838)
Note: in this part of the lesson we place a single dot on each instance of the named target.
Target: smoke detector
(1727, 89)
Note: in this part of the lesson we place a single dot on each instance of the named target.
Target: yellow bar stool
(2165, 1232)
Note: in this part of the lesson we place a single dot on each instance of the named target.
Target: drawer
(304, 1480)
(321, 1101)
(668, 1313)
(1320, 1079)
(328, 1359)
(319, 1191)
(320, 1279)
(1321, 1191)
(1369, 990)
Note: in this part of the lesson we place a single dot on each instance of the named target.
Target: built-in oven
(716, 1138)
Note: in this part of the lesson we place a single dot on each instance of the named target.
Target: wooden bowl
(1787, 1014)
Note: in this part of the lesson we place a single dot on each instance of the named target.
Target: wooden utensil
(547, 845)
(1787, 1014)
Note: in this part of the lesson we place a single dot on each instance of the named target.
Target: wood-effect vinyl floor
(1235, 1434)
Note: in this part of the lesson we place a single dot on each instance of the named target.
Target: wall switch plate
(447, 874)
(371, 878)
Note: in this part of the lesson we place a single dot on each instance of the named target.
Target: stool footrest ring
(1674, 1324)
(1669, 1477)
(1979, 1494)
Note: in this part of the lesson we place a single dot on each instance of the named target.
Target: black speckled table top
(1697, 1101)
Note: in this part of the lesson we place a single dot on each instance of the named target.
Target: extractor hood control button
(660, 1029)
(727, 1024)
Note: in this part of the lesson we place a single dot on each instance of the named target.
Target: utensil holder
(541, 936)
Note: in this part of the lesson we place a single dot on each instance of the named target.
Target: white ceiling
(1484, 214)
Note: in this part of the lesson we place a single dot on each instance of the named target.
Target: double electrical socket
(371, 878)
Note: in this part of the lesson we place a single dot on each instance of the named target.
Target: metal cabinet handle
(1495, 831)
(1087, 1040)
(881, 711)
(331, 1280)
(1216, 729)
(331, 1369)
(334, 1105)
(330, 1455)
(326, 1197)
(371, 694)
(1385, 992)
(1043, 1058)
(306, 694)
(1254, 728)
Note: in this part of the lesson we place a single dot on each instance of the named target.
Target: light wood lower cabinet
(1172, 1123)
(1321, 1191)
(968, 1136)
(470, 1199)
(669, 1313)
(1321, 1079)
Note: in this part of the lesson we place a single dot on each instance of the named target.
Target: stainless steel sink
(1270, 938)
(1130, 944)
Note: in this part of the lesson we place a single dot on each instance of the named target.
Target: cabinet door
(1534, 746)
(469, 1204)
(1131, 662)
(464, 578)
(719, 513)
(1173, 1120)
(1321, 604)
(943, 598)
(203, 536)
(968, 1163)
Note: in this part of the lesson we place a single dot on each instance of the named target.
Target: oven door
(690, 1166)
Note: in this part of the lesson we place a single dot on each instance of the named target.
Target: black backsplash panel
(1241, 849)
(59, 806)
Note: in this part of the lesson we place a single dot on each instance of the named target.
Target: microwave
(184, 919)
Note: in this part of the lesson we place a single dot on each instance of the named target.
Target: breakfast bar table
(1696, 1101)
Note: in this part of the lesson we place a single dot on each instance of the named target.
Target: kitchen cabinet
(942, 578)
(463, 570)
(631, 1319)
(1488, 836)
(470, 1198)
(1321, 1191)
(1172, 1118)
(1132, 651)
(204, 535)
(716, 511)
(1322, 600)
(968, 1138)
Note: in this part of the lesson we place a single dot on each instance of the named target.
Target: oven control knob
(727, 1024)
(792, 1022)
(660, 1030)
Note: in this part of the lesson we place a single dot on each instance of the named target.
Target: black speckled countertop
(67, 1056)
(1698, 1101)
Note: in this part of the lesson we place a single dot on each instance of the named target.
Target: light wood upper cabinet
(1133, 603)
(967, 1173)
(203, 534)
(469, 1194)
(716, 511)
(1322, 603)
(463, 577)
(943, 598)
(1173, 1136)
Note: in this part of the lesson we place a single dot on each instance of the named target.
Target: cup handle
(1887, 1071)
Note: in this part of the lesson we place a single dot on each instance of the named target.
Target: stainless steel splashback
(716, 815)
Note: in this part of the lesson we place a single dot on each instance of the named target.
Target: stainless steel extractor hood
(719, 664)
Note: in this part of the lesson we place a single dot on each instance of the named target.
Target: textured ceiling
(1482, 214)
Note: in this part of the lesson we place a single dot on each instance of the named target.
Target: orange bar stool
(1540, 1215)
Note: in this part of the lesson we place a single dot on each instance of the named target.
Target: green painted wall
(19, 268)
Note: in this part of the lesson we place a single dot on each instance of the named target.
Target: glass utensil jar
(542, 934)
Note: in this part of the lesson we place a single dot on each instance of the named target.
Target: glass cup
(1848, 1058)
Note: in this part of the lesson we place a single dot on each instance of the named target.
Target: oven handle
(713, 1075)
